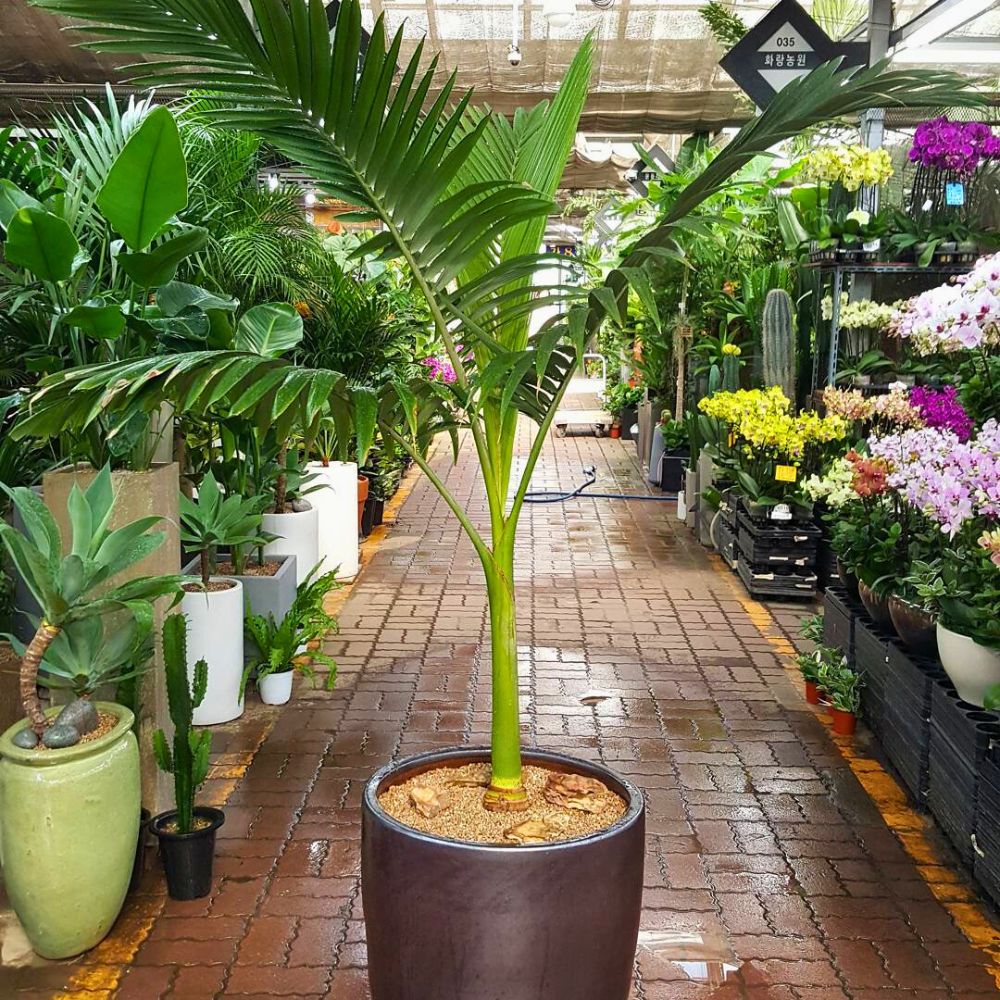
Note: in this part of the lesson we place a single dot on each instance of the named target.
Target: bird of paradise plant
(461, 196)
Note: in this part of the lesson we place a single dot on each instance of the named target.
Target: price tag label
(786, 473)
(954, 193)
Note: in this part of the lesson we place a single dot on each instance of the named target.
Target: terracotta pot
(362, 497)
(876, 606)
(812, 693)
(916, 627)
(843, 722)
(452, 920)
(848, 580)
(615, 432)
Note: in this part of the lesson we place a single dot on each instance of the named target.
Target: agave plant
(72, 586)
(87, 654)
(462, 197)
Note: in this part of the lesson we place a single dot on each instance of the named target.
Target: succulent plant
(188, 762)
(778, 336)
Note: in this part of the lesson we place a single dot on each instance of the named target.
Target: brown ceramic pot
(876, 606)
(451, 920)
(916, 627)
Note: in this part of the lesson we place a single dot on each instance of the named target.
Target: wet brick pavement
(771, 874)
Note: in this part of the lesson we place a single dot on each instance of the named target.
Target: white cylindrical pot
(215, 635)
(336, 500)
(298, 535)
(276, 689)
(973, 668)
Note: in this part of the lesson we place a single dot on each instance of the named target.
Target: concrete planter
(137, 494)
(69, 821)
(336, 502)
(298, 535)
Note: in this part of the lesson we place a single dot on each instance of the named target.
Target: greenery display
(215, 520)
(76, 585)
(187, 760)
(278, 643)
(462, 197)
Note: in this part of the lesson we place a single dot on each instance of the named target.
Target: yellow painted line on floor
(949, 887)
(106, 964)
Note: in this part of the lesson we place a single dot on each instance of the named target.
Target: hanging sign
(641, 173)
(782, 46)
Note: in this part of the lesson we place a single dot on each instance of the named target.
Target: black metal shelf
(888, 268)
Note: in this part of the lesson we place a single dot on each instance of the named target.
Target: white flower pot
(215, 635)
(298, 535)
(336, 500)
(973, 668)
(276, 689)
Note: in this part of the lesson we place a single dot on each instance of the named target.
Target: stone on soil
(59, 736)
(81, 715)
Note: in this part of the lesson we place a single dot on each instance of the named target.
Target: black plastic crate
(969, 728)
(839, 613)
(725, 538)
(826, 565)
(986, 847)
(775, 582)
(729, 506)
(761, 515)
(951, 794)
(771, 544)
(871, 659)
(908, 755)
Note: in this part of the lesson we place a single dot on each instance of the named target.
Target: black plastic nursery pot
(672, 471)
(188, 857)
(452, 920)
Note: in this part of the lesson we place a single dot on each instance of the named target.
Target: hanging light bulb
(559, 13)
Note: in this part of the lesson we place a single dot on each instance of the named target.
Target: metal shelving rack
(839, 272)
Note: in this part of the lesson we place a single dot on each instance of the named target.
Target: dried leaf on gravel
(429, 801)
(574, 791)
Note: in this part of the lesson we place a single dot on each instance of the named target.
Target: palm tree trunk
(506, 791)
(29, 675)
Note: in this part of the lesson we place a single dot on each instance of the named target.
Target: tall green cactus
(730, 372)
(778, 336)
(189, 761)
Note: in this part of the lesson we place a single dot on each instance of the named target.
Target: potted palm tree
(77, 779)
(462, 197)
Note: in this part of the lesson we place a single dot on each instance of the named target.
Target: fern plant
(188, 761)
(462, 197)
(278, 643)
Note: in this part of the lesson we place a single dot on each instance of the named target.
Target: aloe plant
(72, 586)
(462, 197)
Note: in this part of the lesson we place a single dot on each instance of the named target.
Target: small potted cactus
(186, 833)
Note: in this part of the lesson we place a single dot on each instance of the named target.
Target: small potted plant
(292, 521)
(669, 455)
(69, 778)
(213, 606)
(187, 832)
(335, 496)
(843, 687)
(278, 643)
(810, 663)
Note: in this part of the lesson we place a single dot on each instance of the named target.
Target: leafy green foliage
(269, 330)
(43, 243)
(277, 643)
(189, 759)
(147, 183)
(88, 654)
(70, 586)
(841, 684)
(215, 520)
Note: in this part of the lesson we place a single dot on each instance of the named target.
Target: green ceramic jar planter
(69, 820)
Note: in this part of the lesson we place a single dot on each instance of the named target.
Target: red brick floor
(771, 873)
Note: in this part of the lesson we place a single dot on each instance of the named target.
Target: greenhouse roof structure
(656, 67)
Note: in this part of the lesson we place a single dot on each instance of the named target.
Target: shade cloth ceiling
(656, 66)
